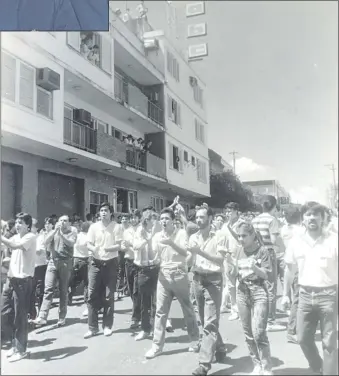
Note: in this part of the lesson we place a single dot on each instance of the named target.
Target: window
(26, 91)
(198, 94)
(175, 158)
(44, 102)
(174, 110)
(98, 124)
(158, 203)
(173, 66)
(185, 156)
(132, 200)
(199, 131)
(193, 160)
(95, 200)
(116, 133)
(8, 75)
(201, 170)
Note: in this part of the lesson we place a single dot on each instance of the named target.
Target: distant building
(269, 187)
(217, 164)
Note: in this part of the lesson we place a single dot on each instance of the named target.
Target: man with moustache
(209, 249)
(170, 247)
(315, 255)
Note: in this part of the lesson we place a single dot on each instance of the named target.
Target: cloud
(247, 169)
(303, 194)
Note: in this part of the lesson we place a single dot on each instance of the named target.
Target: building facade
(73, 106)
(217, 164)
(269, 187)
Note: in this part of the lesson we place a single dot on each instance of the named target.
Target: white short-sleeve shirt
(317, 260)
(103, 237)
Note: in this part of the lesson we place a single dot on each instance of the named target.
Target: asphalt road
(58, 351)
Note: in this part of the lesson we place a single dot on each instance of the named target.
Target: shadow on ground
(57, 354)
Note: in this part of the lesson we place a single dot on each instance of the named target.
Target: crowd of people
(210, 262)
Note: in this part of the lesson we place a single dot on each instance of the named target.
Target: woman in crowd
(251, 265)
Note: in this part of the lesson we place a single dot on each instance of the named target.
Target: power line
(234, 153)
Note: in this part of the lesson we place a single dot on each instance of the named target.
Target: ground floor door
(11, 189)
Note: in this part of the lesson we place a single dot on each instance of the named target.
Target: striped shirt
(267, 225)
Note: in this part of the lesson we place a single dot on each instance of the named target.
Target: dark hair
(84, 227)
(136, 213)
(26, 218)
(106, 205)
(268, 203)
(208, 210)
(249, 228)
(191, 215)
(150, 207)
(89, 217)
(10, 224)
(232, 206)
(168, 211)
(314, 207)
(126, 215)
(292, 216)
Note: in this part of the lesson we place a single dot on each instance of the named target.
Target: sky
(272, 87)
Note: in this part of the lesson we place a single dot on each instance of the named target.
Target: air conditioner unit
(48, 79)
(82, 116)
(196, 30)
(151, 44)
(195, 9)
(197, 51)
(193, 81)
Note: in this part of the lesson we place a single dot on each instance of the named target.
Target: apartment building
(71, 100)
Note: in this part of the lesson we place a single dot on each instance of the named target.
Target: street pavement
(59, 351)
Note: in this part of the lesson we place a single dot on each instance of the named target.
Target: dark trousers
(318, 305)
(208, 294)
(102, 276)
(252, 301)
(132, 283)
(280, 269)
(121, 271)
(15, 306)
(292, 320)
(38, 288)
(79, 275)
(147, 285)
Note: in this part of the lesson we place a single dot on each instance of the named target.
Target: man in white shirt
(315, 255)
(209, 249)
(170, 247)
(103, 269)
(17, 290)
(229, 229)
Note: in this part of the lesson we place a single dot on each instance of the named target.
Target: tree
(226, 187)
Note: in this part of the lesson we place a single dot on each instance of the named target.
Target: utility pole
(234, 154)
(333, 169)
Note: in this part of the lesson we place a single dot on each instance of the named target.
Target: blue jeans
(208, 293)
(318, 305)
(272, 284)
(253, 306)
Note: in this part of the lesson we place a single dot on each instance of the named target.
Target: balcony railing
(135, 158)
(80, 135)
(128, 93)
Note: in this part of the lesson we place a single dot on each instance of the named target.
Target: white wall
(22, 118)
(188, 177)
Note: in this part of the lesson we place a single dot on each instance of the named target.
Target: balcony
(80, 136)
(97, 142)
(131, 96)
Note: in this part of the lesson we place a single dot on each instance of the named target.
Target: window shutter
(178, 75)
(181, 160)
(170, 148)
(73, 40)
(178, 114)
(26, 93)
(44, 102)
(169, 107)
(196, 129)
(106, 54)
(202, 133)
(8, 70)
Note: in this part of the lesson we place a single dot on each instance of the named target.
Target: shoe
(234, 316)
(169, 327)
(11, 352)
(91, 333)
(200, 371)
(40, 321)
(108, 332)
(61, 322)
(142, 335)
(220, 356)
(152, 353)
(291, 338)
(18, 356)
(275, 327)
(134, 325)
(194, 348)
(267, 372)
(257, 370)
(85, 313)
(225, 310)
